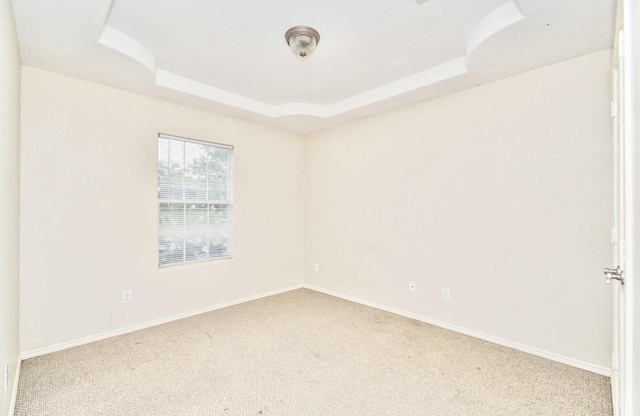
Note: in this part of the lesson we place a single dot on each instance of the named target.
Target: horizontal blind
(194, 200)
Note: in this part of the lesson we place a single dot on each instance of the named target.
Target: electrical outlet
(127, 296)
(446, 293)
(6, 376)
(316, 267)
(412, 286)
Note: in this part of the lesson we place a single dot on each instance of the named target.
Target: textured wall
(89, 211)
(501, 193)
(9, 198)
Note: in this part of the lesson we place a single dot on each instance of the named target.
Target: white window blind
(195, 220)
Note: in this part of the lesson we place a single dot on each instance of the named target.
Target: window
(195, 212)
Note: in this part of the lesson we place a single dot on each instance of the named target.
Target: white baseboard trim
(520, 347)
(14, 393)
(98, 337)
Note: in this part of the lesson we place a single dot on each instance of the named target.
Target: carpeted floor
(303, 353)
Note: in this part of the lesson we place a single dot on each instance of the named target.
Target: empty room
(389, 207)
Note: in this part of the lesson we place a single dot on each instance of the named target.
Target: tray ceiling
(230, 57)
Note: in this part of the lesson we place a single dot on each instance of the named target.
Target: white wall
(9, 199)
(501, 193)
(89, 211)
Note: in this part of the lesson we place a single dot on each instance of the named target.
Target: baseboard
(14, 393)
(520, 347)
(98, 337)
(506, 343)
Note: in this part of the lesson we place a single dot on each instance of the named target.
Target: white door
(618, 233)
(621, 372)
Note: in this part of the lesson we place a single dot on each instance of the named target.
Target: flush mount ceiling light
(302, 40)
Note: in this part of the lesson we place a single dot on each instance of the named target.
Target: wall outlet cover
(6, 376)
(127, 296)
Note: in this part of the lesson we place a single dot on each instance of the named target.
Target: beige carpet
(303, 353)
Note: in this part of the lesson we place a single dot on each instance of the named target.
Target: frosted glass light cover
(302, 45)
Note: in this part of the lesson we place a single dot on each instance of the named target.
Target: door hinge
(614, 361)
(614, 109)
(614, 235)
(621, 44)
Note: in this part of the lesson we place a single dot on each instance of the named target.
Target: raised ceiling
(230, 56)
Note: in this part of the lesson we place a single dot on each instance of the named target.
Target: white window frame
(228, 202)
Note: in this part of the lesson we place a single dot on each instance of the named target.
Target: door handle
(613, 274)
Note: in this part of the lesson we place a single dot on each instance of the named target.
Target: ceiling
(230, 56)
